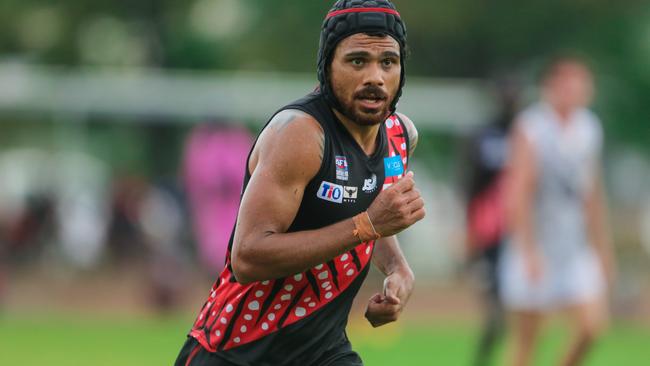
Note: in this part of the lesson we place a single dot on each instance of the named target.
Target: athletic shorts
(565, 282)
(193, 354)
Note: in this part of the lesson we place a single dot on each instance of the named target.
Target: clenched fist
(397, 207)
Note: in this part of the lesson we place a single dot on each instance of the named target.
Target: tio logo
(330, 192)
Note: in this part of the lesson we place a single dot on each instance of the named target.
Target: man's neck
(365, 136)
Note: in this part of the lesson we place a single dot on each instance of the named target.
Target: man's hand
(387, 307)
(397, 207)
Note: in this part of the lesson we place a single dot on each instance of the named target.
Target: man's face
(365, 76)
(571, 85)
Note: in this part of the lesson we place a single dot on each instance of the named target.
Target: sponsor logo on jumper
(330, 192)
(350, 193)
(370, 184)
(393, 166)
(341, 167)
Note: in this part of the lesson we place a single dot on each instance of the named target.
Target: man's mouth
(371, 101)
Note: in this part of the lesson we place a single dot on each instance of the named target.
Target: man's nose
(374, 75)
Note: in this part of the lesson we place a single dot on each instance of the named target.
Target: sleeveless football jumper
(301, 318)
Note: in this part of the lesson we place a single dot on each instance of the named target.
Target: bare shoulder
(291, 145)
(411, 130)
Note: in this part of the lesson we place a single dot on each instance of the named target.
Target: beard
(366, 116)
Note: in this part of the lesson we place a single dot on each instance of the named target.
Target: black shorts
(193, 354)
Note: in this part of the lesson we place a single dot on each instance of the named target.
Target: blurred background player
(486, 157)
(559, 254)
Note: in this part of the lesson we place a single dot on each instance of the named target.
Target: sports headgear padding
(348, 17)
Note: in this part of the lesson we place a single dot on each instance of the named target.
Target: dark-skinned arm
(287, 156)
(388, 258)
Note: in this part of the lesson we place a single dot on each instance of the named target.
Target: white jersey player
(558, 254)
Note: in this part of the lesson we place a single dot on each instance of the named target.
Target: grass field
(65, 340)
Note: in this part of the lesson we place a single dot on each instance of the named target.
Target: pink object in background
(215, 157)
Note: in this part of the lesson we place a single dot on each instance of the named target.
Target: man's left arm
(388, 258)
(598, 226)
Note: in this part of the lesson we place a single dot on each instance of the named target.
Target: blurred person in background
(326, 190)
(213, 173)
(125, 240)
(486, 159)
(160, 220)
(558, 255)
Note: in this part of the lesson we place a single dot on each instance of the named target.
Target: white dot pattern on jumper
(325, 284)
(254, 305)
(217, 333)
(318, 267)
(288, 287)
(201, 317)
(285, 297)
(265, 326)
(312, 304)
(243, 329)
(368, 250)
(265, 282)
(307, 299)
(271, 316)
(322, 275)
(259, 293)
(328, 295)
(237, 340)
(248, 317)
(403, 145)
(300, 312)
(344, 257)
(229, 308)
(350, 272)
(328, 288)
(224, 320)
(346, 265)
(298, 277)
(214, 313)
(277, 307)
(389, 123)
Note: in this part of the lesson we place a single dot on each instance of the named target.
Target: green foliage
(465, 38)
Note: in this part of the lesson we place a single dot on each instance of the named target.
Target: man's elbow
(244, 267)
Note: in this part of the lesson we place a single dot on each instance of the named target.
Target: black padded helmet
(348, 17)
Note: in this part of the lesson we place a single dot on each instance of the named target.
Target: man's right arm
(288, 155)
(522, 180)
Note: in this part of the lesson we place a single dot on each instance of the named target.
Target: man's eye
(357, 62)
(387, 62)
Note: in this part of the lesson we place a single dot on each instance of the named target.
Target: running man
(326, 190)
(559, 255)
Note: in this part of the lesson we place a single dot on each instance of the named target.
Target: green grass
(65, 340)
